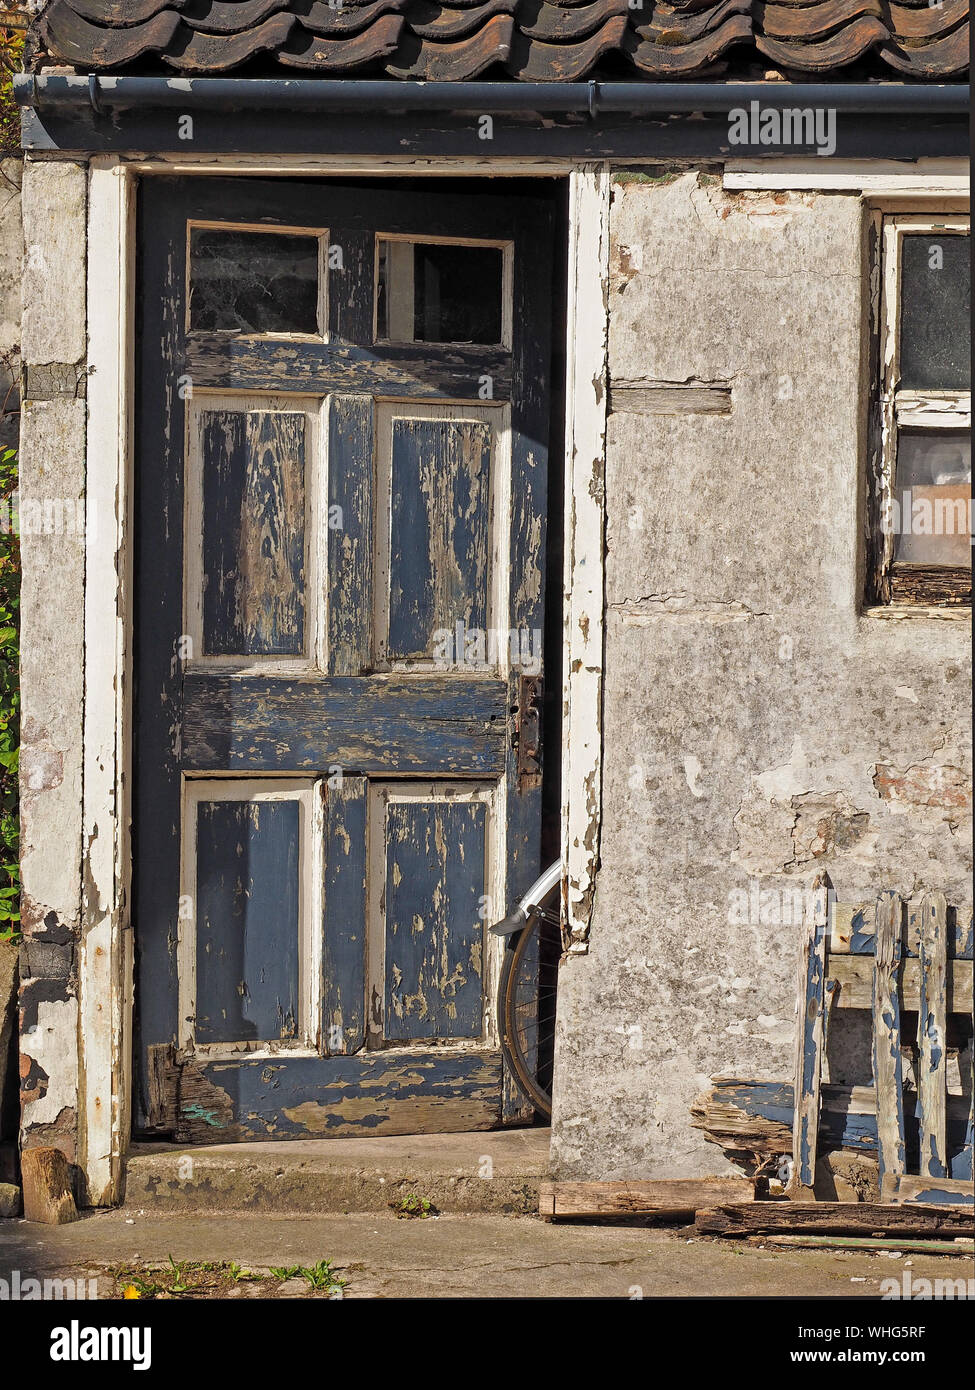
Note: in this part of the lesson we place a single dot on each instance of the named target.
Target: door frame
(105, 971)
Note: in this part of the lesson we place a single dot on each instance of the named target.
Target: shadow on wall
(11, 258)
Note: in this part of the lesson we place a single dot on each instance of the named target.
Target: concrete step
(493, 1171)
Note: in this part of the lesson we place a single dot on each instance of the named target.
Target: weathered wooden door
(341, 483)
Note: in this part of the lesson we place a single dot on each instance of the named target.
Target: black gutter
(105, 93)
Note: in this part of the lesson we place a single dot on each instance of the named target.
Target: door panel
(249, 901)
(438, 468)
(436, 868)
(434, 946)
(246, 876)
(340, 570)
(251, 542)
(253, 534)
(440, 475)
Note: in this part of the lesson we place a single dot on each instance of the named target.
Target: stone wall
(757, 726)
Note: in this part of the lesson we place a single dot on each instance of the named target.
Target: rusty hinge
(528, 732)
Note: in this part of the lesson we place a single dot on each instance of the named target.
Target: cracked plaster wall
(756, 727)
(52, 492)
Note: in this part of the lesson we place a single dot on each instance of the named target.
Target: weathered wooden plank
(887, 1037)
(48, 1196)
(435, 884)
(854, 979)
(371, 135)
(671, 1199)
(853, 932)
(404, 1092)
(669, 398)
(350, 531)
(958, 1248)
(247, 906)
(253, 533)
(809, 1042)
(351, 272)
(963, 1162)
(911, 1188)
(344, 951)
(438, 568)
(384, 369)
(928, 920)
(756, 1117)
(377, 724)
(162, 1077)
(159, 615)
(944, 585)
(839, 1218)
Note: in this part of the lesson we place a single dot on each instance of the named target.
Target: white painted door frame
(105, 970)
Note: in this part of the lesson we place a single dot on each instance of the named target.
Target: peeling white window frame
(899, 407)
(106, 956)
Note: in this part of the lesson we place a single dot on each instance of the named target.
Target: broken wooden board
(810, 1042)
(909, 1188)
(46, 1186)
(928, 925)
(887, 1061)
(666, 1199)
(832, 1218)
(745, 1115)
(854, 979)
(852, 931)
(910, 1244)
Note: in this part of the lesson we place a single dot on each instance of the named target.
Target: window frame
(896, 408)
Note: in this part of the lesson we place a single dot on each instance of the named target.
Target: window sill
(900, 612)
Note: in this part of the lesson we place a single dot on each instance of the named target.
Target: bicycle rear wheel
(527, 994)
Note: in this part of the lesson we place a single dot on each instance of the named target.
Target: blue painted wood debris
(921, 966)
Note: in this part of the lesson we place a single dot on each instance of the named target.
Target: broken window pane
(935, 309)
(253, 282)
(933, 498)
(428, 292)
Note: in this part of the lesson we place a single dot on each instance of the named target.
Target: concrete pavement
(457, 1256)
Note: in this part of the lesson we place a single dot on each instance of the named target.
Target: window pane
(933, 498)
(253, 282)
(429, 293)
(935, 308)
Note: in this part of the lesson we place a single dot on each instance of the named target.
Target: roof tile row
(531, 40)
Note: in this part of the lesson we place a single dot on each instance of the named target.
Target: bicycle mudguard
(512, 923)
(519, 915)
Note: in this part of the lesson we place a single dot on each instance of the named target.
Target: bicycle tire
(528, 1035)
